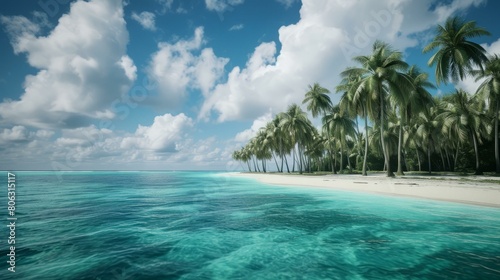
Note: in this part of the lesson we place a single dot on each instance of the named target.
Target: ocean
(206, 225)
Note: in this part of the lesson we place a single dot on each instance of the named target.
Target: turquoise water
(201, 225)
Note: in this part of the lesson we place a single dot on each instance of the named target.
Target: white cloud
(221, 5)
(83, 136)
(166, 5)
(162, 136)
(83, 66)
(166, 143)
(470, 84)
(257, 124)
(287, 3)
(236, 27)
(145, 19)
(14, 134)
(19, 27)
(20, 134)
(316, 49)
(177, 68)
(444, 11)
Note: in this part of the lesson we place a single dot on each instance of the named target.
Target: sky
(181, 84)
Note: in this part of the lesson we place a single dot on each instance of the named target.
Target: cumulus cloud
(83, 67)
(162, 136)
(236, 27)
(257, 124)
(221, 5)
(470, 84)
(83, 136)
(165, 143)
(317, 48)
(15, 134)
(10, 137)
(443, 11)
(184, 65)
(145, 19)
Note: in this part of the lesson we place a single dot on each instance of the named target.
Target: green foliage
(404, 126)
(456, 56)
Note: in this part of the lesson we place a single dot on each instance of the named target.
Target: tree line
(404, 127)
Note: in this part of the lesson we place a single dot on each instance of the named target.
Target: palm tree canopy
(338, 124)
(490, 87)
(462, 115)
(380, 73)
(419, 98)
(457, 56)
(353, 103)
(295, 122)
(317, 99)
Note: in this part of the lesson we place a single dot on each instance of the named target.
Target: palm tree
(272, 136)
(390, 135)
(490, 90)
(428, 131)
(316, 149)
(242, 155)
(412, 140)
(457, 56)
(380, 73)
(262, 147)
(251, 150)
(317, 100)
(357, 103)
(299, 128)
(282, 140)
(462, 114)
(340, 126)
(330, 143)
(236, 155)
(410, 103)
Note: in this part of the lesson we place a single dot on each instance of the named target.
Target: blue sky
(171, 84)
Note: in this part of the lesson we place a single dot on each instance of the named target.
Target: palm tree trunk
(331, 163)
(448, 159)
(456, 155)
(442, 159)
(282, 154)
(429, 156)
(300, 159)
(282, 157)
(384, 148)
(474, 140)
(349, 160)
(497, 155)
(248, 163)
(293, 159)
(400, 144)
(256, 166)
(366, 144)
(320, 163)
(277, 166)
(341, 170)
(308, 163)
(335, 162)
(358, 138)
(286, 163)
(419, 162)
(405, 160)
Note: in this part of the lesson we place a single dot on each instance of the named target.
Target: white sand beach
(478, 190)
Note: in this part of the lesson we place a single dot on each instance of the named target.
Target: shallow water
(202, 225)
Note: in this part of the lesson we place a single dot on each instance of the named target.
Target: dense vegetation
(404, 126)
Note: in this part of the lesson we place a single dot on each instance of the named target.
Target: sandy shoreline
(453, 189)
